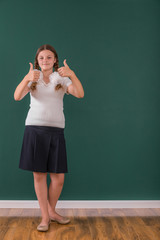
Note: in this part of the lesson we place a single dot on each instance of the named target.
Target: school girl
(44, 148)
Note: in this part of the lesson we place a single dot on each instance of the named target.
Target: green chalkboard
(113, 133)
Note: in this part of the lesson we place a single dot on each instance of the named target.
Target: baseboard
(82, 204)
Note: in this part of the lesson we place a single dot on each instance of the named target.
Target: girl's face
(46, 60)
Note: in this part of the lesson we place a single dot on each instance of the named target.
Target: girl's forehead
(46, 53)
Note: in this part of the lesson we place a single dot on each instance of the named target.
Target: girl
(44, 148)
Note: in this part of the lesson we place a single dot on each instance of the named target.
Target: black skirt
(43, 149)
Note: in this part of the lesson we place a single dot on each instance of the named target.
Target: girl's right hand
(33, 74)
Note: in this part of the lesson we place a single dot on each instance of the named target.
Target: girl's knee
(58, 177)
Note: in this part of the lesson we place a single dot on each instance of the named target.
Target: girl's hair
(36, 65)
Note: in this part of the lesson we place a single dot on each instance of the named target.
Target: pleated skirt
(43, 149)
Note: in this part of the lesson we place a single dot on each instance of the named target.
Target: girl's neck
(47, 73)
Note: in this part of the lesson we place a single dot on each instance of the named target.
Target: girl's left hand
(65, 71)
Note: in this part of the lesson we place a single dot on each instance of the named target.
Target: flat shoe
(65, 220)
(43, 228)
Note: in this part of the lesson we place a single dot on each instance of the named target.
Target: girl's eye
(48, 57)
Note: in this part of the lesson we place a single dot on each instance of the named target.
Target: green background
(113, 133)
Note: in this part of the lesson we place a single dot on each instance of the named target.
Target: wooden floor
(86, 224)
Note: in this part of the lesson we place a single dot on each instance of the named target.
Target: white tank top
(46, 104)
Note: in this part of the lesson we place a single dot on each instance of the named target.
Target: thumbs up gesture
(33, 74)
(65, 71)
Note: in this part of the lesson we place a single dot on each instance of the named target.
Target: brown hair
(36, 65)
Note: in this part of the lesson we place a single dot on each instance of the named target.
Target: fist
(65, 71)
(33, 74)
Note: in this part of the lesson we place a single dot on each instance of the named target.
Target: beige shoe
(65, 220)
(43, 228)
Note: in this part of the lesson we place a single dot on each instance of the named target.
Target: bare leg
(55, 188)
(40, 184)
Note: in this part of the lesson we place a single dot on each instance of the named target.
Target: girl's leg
(40, 184)
(55, 188)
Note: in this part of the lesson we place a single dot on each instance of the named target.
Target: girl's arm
(75, 88)
(22, 89)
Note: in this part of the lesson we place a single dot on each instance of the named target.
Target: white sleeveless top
(46, 104)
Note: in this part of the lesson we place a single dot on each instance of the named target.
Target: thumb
(31, 67)
(65, 64)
